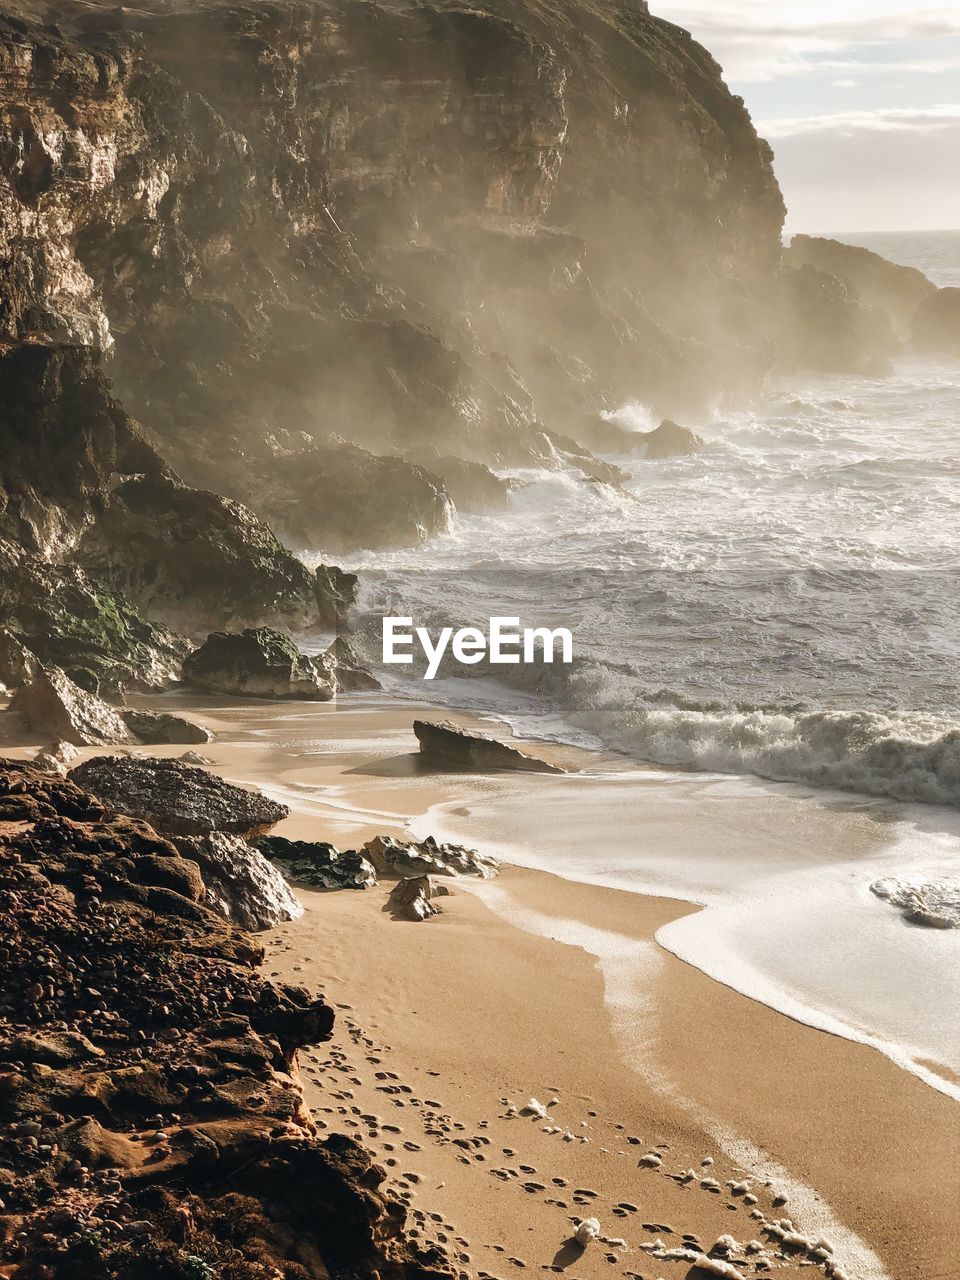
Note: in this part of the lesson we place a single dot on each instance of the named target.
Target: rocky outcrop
(258, 663)
(895, 290)
(160, 1069)
(416, 898)
(399, 859)
(471, 485)
(448, 745)
(157, 728)
(821, 323)
(669, 440)
(52, 706)
(936, 324)
(239, 882)
(351, 675)
(318, 864)
(67, 620)
(193, 560)
(175, 798)
(338, 495)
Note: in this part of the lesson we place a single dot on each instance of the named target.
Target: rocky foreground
(153, 1119)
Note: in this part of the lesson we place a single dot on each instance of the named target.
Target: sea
(768, 631)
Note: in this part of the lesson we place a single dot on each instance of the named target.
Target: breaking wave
(904, 757)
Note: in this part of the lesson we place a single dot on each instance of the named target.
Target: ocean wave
(904, 757)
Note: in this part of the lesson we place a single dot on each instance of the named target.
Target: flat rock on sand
(176, 798)
(445, 743)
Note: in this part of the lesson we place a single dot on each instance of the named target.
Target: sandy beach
(670, 1100)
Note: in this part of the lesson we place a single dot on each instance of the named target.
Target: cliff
(427, 225)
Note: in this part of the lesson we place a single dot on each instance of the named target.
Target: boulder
(54, 707)
(352, 676)
(239, 882)
(55, 758)
(415, 898)
(936, 323)
(194, 560)
(175, 798)
(157, 728)
(258, 663)
(336, 494)
(400, 859)
(669, 440)
(448, 745)
(886, 286)
(823, 324)
(316, 863)
(17, 664)
(472, 486)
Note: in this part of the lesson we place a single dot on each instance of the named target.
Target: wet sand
(531, 986)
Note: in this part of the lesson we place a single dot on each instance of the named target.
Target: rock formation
(669, 440)
(936, 324)
(448, 745)
(156, 728)
(351, 675)
(175, 798)
(884, 286)
(259, 663)
(68, 620)
(194, 560)
(52, 706)
(415, 898)
(318, 864)
(239, 882)
(153, 1116)
(400, 859)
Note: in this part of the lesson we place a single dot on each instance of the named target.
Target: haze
(860, 101)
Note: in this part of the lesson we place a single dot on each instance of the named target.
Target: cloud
(943, 117)
(763, 40)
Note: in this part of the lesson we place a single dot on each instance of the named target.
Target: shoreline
(713, 1073)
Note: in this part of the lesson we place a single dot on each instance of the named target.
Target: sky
(860, 100)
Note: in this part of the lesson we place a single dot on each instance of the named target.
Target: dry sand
(444, 1024)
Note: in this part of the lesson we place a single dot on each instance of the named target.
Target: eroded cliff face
(407, 225)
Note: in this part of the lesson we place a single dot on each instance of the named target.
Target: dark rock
(175, 798)
(54, 707)
(400, 859)
(670, 440)
(449, 745)
(415, 898)
(239, 882)
(319, 864)
(472, 486)
(936, 323)
(823, 324)
(895, 290)
(193, 560)
(336, 592)
(69, 621)
(155, 728)
(258, 663)
(352, 676)
(341, 496)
